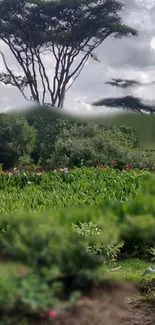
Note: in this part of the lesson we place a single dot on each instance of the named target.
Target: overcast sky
(126, 58)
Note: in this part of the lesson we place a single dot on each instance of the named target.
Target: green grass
(8, 268)
(131, 270)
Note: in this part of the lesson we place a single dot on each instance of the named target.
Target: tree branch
(12, 75)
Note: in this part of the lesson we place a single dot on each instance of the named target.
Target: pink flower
(9, 174)
(54, 171)
(23, 272)
(112, 162)
(127, 167)
(52, 314)
(66, 170)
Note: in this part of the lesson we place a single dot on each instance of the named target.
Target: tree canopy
(127, 102)
(70, 30)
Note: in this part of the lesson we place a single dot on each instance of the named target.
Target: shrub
(138, 233)
(92, 145)
(16, 139)
(26, 291)
(110, 252)
(48, 243)
(47, 134)
(30, 296)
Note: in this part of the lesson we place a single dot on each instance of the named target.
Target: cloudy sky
(129, 58)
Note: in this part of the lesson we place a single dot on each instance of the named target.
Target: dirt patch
(106, 305)
(140, 313)
(113, 303)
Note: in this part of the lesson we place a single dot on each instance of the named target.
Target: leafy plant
(17, 139)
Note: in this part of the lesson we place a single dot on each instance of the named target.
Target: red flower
(23, 272)
(52, 313)
(127, 167)
(100, 166)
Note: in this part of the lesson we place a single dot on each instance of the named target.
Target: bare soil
(140, 313)
(116, 303)
(113, 303)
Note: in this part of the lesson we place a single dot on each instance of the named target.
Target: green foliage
(55, 144)
(119, 195)
(63, 250)
(45, 191)
(30, 295)
(16, 140)
(138, 233)
(61, 258)
(110, 252)
(92, 145)
(53, 248)
(25, 291)
(47, 134)
(129, 269)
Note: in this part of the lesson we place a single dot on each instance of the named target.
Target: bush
(47, 134)
(16, 139)
(31, 296)
(138, 233)
(26, 291)
(92, 145)
(47, 243)
(110, 252)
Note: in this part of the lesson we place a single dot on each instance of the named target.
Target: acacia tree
(127, 102)
(70, 30)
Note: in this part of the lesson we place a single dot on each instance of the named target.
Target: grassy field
(130, 270)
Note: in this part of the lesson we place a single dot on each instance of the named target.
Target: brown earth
(113, 303)
(140, 313)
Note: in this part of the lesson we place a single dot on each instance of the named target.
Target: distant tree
(127, 102)
(70, 30)
(47, 133)
(17, 139)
